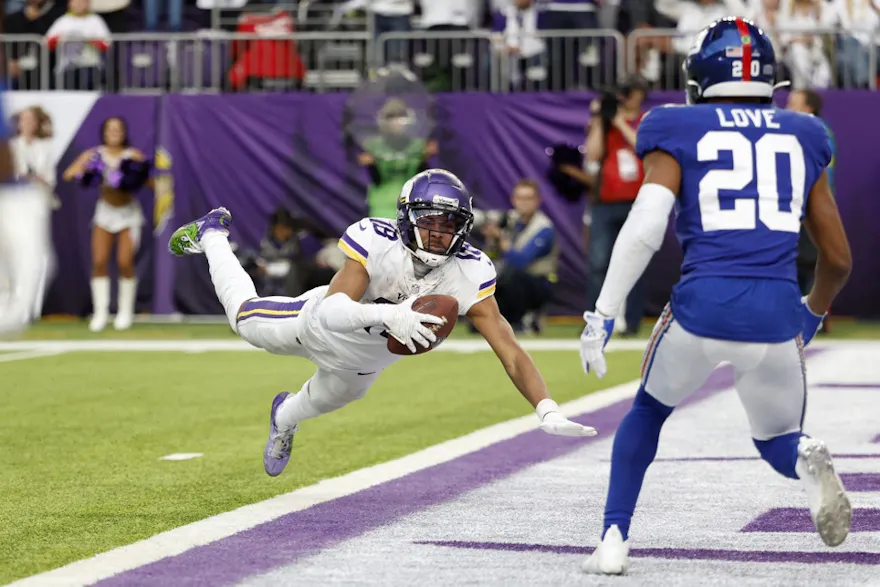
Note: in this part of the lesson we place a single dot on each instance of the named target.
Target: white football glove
(593, 340)
(553, 422)
(408, 326)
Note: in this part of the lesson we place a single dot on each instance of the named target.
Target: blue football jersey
(746, 172)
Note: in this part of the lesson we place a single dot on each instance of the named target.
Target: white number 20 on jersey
(750, 162)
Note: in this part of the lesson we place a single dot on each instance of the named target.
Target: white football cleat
(829, 505)
(611, 557)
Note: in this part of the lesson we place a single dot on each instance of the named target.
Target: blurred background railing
(273, 57)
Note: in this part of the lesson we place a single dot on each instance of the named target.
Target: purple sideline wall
(255, 152)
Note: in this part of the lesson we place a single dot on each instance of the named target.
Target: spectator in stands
(154, 9)
(564, 15)
(527, 264)
(389, 16)
(449, 15)
(664, 55)
(24, 62)
(269, 63)
(570, 14)
(393, 156)
(809, 102)
(804, 53)
(80, 37)
(516, 34)
(441, 58)
(638, 15)
(611, 158)
(765, 14)
(857, 21)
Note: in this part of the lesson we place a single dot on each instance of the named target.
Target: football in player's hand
(437, 305)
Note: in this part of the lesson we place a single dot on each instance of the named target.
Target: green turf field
(82, 433)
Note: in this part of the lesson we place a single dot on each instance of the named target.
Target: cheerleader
(121, 171)
(24, 238)
(34, 163)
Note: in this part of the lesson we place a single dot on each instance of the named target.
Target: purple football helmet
(434, 216)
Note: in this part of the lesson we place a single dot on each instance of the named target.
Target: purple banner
(253, 153)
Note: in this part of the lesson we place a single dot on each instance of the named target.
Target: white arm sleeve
(340, 313)
(641, 237)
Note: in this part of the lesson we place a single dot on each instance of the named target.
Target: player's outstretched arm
(521, 369)
(341, 311)
(834, 263)
(641, 237)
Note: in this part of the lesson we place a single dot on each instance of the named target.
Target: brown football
(437, 305)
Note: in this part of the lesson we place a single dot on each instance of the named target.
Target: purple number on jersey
(384, 229)
(468, 252)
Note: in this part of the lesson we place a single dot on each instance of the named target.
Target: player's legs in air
(273, 324)
(770, 382)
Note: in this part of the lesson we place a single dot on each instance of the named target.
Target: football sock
(635, 446)
(781, 453)
(231, 282)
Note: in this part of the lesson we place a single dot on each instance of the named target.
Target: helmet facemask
(437, 232)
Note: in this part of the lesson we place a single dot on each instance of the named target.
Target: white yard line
(210, 345)
(22, 355)
(178, 540)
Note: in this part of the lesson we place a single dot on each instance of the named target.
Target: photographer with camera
(617, 173)
(523, 244)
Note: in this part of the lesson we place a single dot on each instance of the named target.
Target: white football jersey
(469, 277)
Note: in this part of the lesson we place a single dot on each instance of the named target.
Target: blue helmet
(434, 193)
(731, 58)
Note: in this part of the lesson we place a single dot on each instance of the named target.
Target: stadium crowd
(822, 43)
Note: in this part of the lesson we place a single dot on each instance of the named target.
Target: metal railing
(456, 61)
(217, 62)
(480, 61)
(817, 59)
(444, 61)
(28, 58)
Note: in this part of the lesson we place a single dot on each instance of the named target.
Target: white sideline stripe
(178, 540)
(208, 345)
(29, 354)
(460, 346)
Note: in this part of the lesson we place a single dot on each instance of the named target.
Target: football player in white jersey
(343, 327)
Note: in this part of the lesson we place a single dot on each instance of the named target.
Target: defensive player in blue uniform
(741, 176)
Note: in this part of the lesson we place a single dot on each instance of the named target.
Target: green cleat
(186, 240)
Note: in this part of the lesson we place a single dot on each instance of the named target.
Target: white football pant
(769, 377)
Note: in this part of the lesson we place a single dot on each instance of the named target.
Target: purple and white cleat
(186, 240)
(277, 451)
